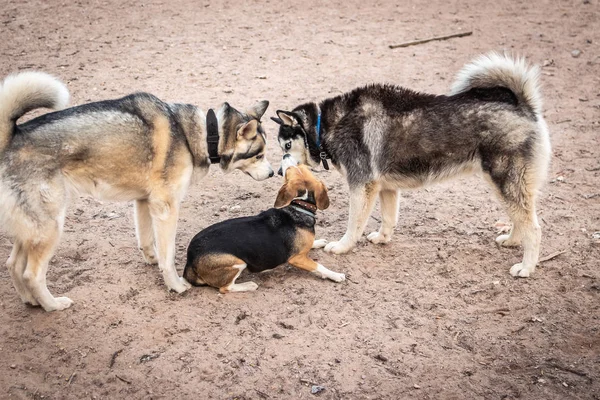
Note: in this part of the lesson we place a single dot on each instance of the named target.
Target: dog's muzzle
(286, 162)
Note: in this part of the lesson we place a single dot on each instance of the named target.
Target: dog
(285, 234)
(136, 148)
(385, 138)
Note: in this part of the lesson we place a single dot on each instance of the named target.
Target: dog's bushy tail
(498, 70)
(24, 92)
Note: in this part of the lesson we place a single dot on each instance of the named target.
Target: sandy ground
(432, 315)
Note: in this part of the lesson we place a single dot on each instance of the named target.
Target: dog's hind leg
(143, 229)
(526, 226)
(517, 186)
(39, 252)
(16, 264)
(389, 201)
(236, 270)
(164, 220)
(362, 200)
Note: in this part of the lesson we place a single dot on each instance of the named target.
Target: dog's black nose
(280, 172)
(286, 155)
(271, 174)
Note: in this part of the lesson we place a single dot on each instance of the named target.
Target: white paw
(507, 241)
(180, 286)
(518, 270)
(249, 286)
(340, 247)
(337, 277)
(379, 238)
(59, 304)
(319, 244)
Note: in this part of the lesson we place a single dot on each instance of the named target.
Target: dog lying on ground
(136, 148)
(385, 138)
(284, 234)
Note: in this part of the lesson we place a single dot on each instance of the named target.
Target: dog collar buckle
(323, 157)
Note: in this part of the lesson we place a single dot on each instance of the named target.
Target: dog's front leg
(302, 261)
(164, 220)
(388, 200)
(362, 200)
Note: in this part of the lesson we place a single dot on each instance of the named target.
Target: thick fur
(136, 148)
(285, 234)
(384, 138)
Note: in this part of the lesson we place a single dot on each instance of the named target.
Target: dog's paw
(378, 238)
(180, 286)
(340, 247)
(337, 277)
(519, 271)
(319, 244)
(59, 304)
(507, 241)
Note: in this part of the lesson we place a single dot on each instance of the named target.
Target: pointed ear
(277, 120)
(227, 109)
(258, 110)
(288, 118)
(322, 197)
(285, 196)
(248, 130)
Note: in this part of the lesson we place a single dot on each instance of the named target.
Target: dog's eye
(259, 157)
(288, 145)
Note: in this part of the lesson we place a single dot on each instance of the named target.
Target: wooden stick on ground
(551, 256)
(421, 41)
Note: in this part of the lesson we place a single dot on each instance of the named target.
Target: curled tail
(24, 92)
(497, 70)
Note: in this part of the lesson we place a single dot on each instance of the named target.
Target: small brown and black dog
(285, 234)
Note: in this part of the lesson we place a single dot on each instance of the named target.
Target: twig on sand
(421, 41)
(551, 256)
(123, 380)
(113, 358)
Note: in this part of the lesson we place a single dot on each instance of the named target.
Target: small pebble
(576, 53)
(417, 386)
(316, 389)
(13, 366)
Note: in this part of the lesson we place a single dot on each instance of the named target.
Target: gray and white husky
(385, 138)
(137, 148)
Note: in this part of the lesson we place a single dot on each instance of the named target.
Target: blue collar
(319, 131)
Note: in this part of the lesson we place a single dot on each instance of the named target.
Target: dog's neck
(305, 207)
(212, 137)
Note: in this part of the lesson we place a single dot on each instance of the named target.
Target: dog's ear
(321, 196)
(277, 120)
(285, 196)
(288, 118)
(227, 109)
(258, 110)
(248, 130)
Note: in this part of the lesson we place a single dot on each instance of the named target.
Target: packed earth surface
(434, 314)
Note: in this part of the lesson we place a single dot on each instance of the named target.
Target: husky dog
(385, 138)
(136, 148)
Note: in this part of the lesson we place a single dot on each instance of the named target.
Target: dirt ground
(433, 315)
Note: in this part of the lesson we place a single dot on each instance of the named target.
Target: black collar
(212, 136)
(305, 207)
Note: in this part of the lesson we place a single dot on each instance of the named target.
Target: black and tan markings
(280, 235)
